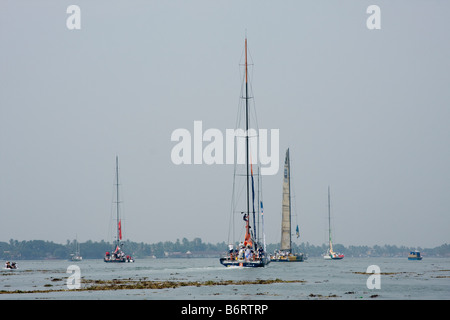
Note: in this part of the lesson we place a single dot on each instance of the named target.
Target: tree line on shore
(40, 249)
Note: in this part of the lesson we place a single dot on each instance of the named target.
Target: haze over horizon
(365, 112)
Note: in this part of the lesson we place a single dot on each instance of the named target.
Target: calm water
(344, 279)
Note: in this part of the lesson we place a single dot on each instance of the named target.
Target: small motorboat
(414, 255)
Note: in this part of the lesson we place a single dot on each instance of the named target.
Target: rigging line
(238, 136)
(249, 113)
(255, 115)
(240, 99)
(253, 196)
(253, 112)
(234, 199)
(231, 221)
(246, 128)
(112, 208)
(121, 212)
(243, 174)
(251, 91)
(233, 195)
(293, 194)
(260, 204)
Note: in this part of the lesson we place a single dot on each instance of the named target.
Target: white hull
(333, 256)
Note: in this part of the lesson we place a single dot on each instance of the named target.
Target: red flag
(120, 230)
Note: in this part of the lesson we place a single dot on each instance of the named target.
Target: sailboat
(285, 253)
(251, 252)
(117, 255)
(76, 256)
(331, 255)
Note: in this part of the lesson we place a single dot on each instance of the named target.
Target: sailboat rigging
(285, 253)
(250, 252)
(117, 255)
(76, 256)
(331, 255)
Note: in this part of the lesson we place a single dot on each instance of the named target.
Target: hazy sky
(365, 112)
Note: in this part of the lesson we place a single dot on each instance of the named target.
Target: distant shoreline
(47, 250)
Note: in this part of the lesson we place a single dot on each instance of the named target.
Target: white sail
(285, 254)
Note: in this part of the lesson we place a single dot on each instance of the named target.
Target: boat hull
(414, 255)
(245, 263)
(118, 260)
(337, 257)
(291, 258)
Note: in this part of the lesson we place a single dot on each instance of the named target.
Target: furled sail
(286, 208)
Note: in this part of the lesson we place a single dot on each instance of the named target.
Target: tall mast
(117, 195)
(246, 130)
(329, 220)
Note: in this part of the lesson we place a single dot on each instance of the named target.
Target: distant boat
(331, 255)
(250, 252)
(117, 255)
(414, 255)
(10, 266)
(76, 256)
(285, 253)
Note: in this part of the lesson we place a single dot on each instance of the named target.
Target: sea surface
(399, 279)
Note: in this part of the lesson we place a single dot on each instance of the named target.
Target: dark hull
(117, 260)
(244, 263)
